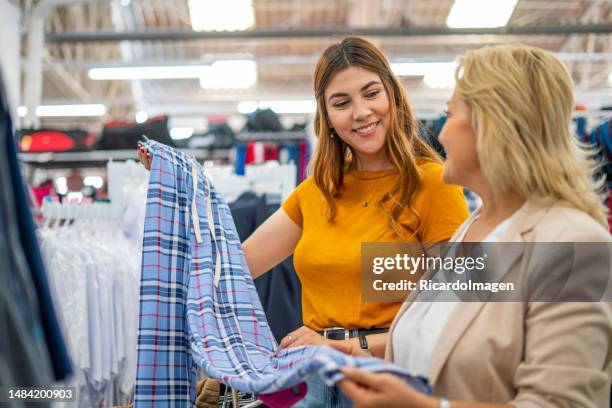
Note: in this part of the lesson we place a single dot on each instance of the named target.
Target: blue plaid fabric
(198, 303)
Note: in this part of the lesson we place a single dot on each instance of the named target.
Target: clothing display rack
(284, 147)
(232, 398)
(266, 179)
(94, 268)
(271, 136)
(55, 211)
(99, 158)
(123, 176)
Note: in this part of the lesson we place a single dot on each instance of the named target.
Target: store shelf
(99, 158)
(272, 136)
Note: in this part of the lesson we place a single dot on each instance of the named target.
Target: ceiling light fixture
(230, 74)
(71, 110)
(161, 72)
(229, 15)
(480, 13)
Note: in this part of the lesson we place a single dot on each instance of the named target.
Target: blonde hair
(521, 102)
(404, 146)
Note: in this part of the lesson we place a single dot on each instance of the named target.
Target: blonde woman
(507, 138)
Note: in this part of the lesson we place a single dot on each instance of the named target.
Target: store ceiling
(285, 64)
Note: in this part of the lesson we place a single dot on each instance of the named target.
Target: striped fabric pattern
(188, 319)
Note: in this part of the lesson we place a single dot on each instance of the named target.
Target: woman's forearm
(377, 344)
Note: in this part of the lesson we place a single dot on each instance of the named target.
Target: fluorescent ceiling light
(420, 68)
(141, 117)
(163, 72)
(22, 111)
(71, 110)
(610, 77)
(247, 107)
(228, 15)
(480, 13)
(178, 133)
(231, 74)
(294, 106)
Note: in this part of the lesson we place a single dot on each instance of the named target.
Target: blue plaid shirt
(198, 303)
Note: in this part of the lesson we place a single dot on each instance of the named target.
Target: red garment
(272, 152)
(250, 153)
(41, 192)
(47, 141)
(286, 397)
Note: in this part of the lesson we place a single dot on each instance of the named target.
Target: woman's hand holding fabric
(370, 390)
(303, 337)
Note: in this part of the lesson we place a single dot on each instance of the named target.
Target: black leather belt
(340, 333)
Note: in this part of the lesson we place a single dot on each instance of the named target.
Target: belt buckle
(329, 329)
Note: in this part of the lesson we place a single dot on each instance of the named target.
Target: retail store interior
(229, 83)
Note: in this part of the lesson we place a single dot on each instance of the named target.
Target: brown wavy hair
(404, 145)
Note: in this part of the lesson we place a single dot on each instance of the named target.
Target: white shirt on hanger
(95, 272)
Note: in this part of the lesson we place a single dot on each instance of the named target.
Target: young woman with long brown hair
(374, 179)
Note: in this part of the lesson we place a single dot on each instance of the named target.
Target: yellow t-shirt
(327, 257)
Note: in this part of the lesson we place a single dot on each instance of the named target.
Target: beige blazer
(527, 354)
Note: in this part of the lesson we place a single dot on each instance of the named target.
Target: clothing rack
(281, 147)
(232, 398)
(99, 158)
(95, 267)
(120, 175)
(269, 178)
(70, 211)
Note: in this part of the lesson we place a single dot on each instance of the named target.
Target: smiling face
(358, 109)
